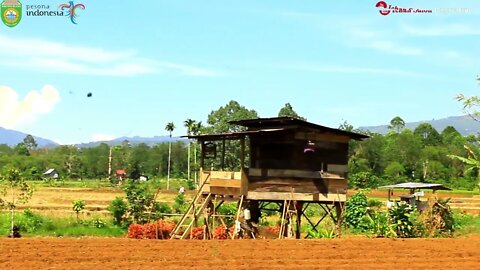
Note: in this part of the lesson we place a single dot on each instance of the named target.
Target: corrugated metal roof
(233, 135)
(49, 171)
(282, 122)
(412, 185)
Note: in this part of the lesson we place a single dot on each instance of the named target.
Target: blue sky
(154, 62)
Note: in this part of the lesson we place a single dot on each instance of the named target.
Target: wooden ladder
(191, 216)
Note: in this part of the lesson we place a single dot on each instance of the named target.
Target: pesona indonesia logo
(44, 10)
(385, 9)
(11, 12)
(71, 10)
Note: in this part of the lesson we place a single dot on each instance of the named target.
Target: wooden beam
(244, 183)
(327, 137)
(280, 196)
(226, 191)
(215, 182)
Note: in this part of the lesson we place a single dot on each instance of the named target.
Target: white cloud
(102, 137)
(14, 111)
(55, 57)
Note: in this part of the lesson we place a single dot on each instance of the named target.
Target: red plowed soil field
(351, 253)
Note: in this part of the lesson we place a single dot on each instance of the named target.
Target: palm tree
(189, 124)
(169, 127)
(195, 131)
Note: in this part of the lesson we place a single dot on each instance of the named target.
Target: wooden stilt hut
(280, 163)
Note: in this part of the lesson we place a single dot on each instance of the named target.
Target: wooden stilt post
(299, 206)
(238, 216)
(242, 153)
(282, 224)
(223, 155)
(202, 156)
(339, 211)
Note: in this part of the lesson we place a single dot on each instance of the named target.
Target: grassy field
(50, 213)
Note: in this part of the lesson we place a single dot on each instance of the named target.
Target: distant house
(121, 174)
(51, 173)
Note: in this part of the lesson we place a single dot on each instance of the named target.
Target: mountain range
(463, 124)
(150, 141)
(13, 137)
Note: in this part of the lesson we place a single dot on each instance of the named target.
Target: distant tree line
(93, 162)
(96, 162)
(421, 155)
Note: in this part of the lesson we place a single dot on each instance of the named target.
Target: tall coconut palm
(195, 131)
(189, 124)
(169, 127)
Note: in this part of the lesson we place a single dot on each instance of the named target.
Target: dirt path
(354, 253)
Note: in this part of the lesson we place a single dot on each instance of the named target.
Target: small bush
(363, 180)
(118, 208)
(29, 221)
(159, 209)
(322, 233)
(228, 209)
(314, 210)
(97, 223)
(400, 218)
(180, 206)
(374, 203)
(356, 211)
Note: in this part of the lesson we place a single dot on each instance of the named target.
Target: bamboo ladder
(184, 226)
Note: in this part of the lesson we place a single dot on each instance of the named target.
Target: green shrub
(380, 225)
(29, 221)
(118, 208)
(363, 180)
(78, 206)
(228, 209)
(140, 201)
(321, 233)
(374, 203)
(180, 206)
(314, 210)
(159, 209)
(190, 184)
(97, 222)
(355, 212)
(400, 218)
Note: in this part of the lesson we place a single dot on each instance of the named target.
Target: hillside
(13, 137)
(463, 124)
(134, 140)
